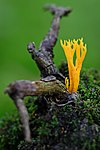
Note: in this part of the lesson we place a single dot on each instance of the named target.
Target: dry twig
(50, 83)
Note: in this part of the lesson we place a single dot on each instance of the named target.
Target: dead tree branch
(22, 88)
(50, 83)
(24, 117)
(44, 56)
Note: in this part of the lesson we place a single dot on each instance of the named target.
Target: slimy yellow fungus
(71, 48)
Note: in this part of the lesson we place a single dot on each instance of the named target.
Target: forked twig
(50, 83)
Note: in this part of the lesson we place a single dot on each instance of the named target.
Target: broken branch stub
(44, 56)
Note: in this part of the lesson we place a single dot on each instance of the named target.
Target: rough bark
(44, 56)
(23, 88)
(50, 83)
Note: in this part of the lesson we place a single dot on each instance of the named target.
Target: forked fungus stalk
(70, 48)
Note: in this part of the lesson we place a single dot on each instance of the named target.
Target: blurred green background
(24, 21)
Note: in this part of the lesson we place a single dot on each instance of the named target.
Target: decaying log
(50, 83)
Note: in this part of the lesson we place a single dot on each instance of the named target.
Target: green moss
(10, 132)
(89, 90)
(73, 126)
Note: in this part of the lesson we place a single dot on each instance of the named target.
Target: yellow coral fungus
(70, 48)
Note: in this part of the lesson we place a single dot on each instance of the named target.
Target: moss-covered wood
(52, 118)
(44, 60)
(72, 126)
